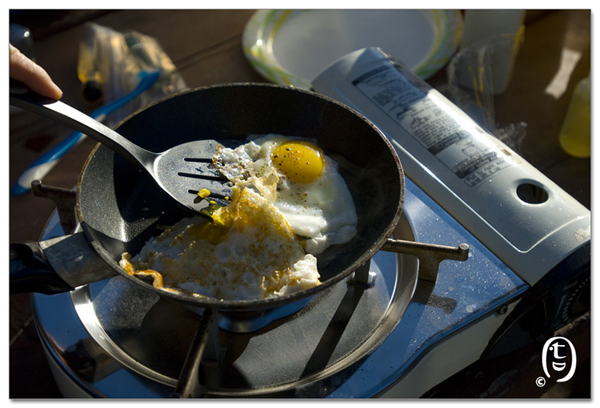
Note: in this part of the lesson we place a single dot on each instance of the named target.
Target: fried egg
(301, 181)
(248, 252)
(289, 203)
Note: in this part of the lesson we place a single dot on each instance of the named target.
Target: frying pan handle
(30, 271)
(56, 265)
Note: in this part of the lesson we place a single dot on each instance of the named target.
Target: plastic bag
(470, 86)
(110, 63)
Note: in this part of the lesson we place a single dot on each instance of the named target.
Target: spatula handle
(58, 111)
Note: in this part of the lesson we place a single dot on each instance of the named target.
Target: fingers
(35, 77)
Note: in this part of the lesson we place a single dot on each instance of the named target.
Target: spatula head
(186, 170)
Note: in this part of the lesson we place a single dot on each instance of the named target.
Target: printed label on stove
(458, 143)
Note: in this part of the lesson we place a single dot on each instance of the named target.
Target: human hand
(31, 74)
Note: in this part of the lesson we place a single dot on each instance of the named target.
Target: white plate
(292, 47)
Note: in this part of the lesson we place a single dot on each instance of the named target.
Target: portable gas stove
(397, 328)
(112, 339)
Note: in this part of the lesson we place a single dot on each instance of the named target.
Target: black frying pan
(119, 208)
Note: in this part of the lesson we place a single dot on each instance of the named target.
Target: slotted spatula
(182, 171)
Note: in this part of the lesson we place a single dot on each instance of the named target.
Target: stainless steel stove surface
(113, 339)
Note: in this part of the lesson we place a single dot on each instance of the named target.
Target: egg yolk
(299, 161)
